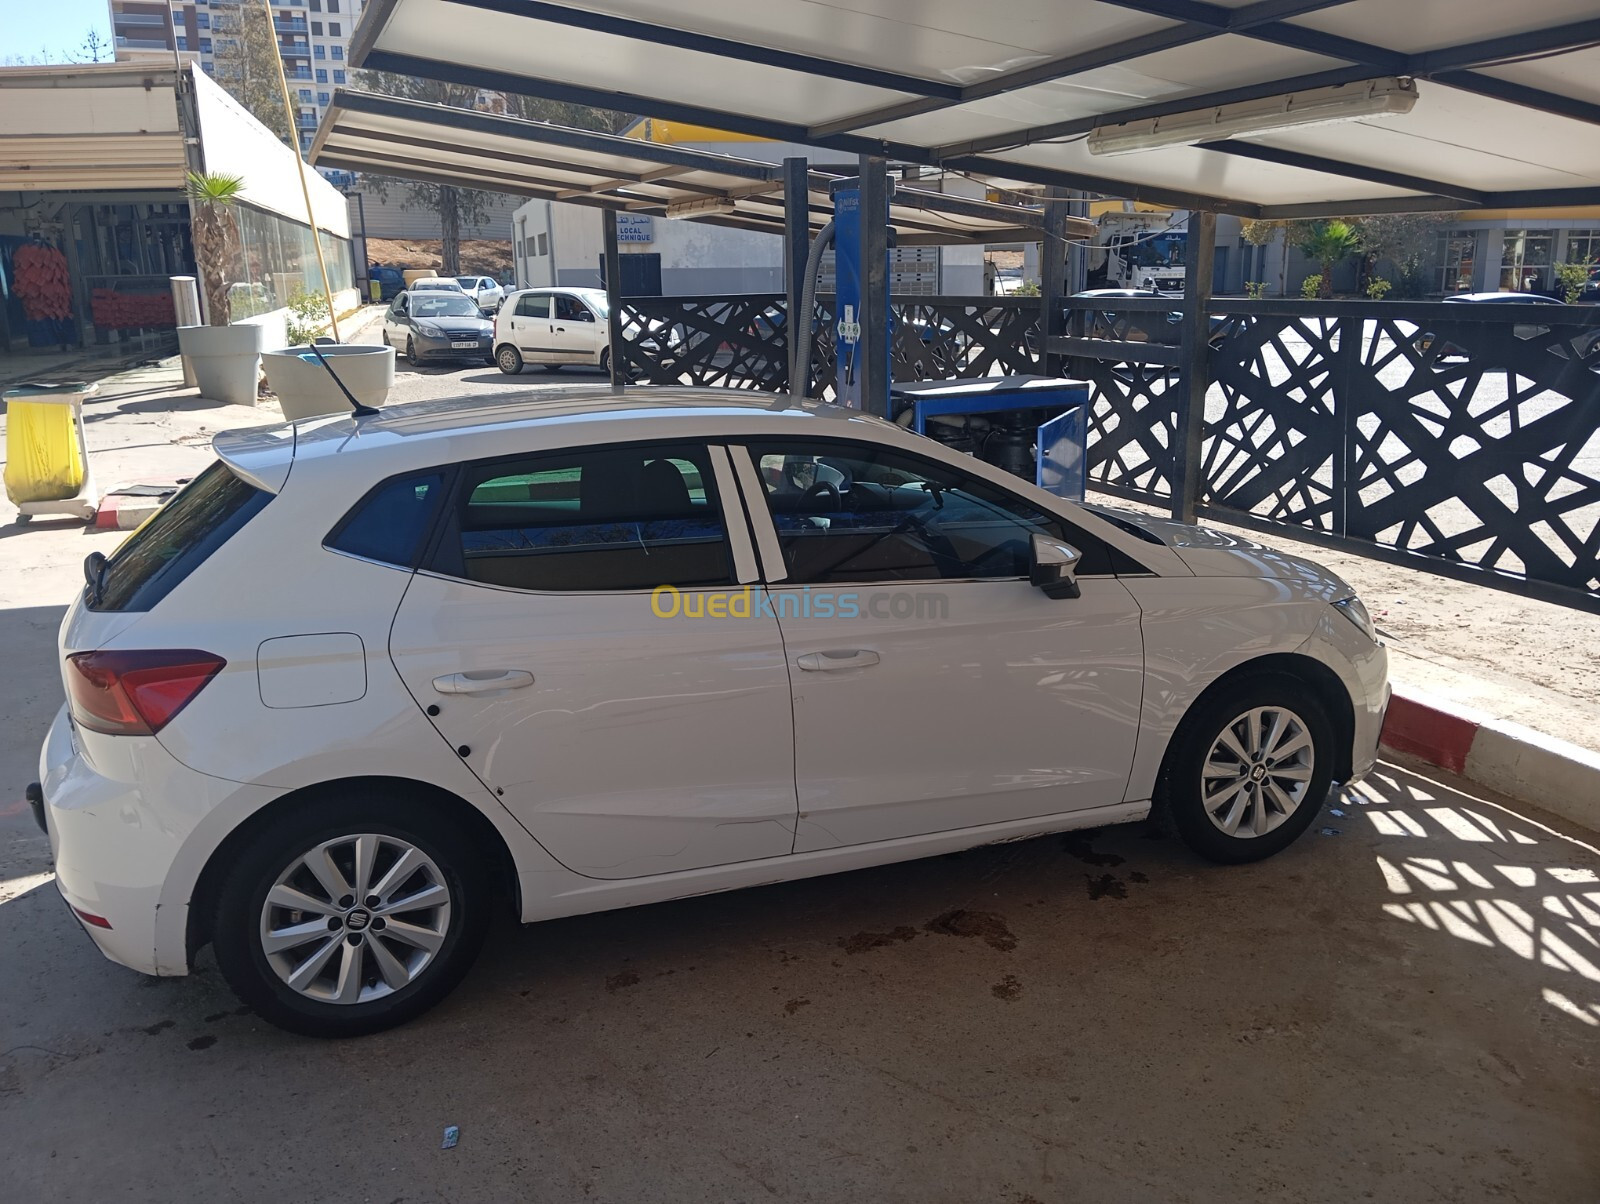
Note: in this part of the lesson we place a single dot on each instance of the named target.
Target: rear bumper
(129, 843)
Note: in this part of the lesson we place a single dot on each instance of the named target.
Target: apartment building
(313, 35)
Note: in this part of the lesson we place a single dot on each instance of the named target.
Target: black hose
(800, 345)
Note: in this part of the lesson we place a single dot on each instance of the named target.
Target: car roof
(447, 430)
(1514, 298)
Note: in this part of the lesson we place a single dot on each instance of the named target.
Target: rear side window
(531, 306)
(390, 523)
(591, 520)
(180, 536)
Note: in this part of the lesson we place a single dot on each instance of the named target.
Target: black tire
(605, 361)
(509, 360)
(551, 367)
(1181, 791)
(238, 923)
(411, 350)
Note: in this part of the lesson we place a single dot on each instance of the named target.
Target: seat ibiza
(367, 679)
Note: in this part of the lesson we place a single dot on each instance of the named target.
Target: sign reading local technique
(635, 227)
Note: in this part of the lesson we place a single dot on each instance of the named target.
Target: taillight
(136, 693)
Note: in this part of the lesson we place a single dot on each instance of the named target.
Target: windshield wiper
(94, 574)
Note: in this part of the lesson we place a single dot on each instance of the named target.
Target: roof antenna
(360, 408)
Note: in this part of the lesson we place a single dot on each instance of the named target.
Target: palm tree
(1328, 243)
(216, 237)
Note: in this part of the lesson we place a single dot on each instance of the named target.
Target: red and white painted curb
(125, 511)
(1504, 756)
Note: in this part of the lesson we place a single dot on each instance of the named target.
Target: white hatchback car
(367, 679)
(551, 327)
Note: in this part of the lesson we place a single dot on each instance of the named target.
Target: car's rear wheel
(1249, 773)
(509, 359)
(605, 360)
(351, 917)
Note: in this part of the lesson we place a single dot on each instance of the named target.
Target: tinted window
(177, 539)
(593, 519)
(850, 512)
(532, 306)
(570, 308)
(390, 523)
(444, 305)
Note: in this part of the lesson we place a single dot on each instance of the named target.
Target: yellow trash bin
(47, 463)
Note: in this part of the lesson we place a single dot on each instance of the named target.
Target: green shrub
(308, 315)
(1311, 286)
(1255, 289)
(1572, 277)
(1378, 288)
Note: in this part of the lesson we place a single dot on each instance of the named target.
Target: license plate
(470, 345)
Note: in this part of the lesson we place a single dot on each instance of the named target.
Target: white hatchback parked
(367, 679)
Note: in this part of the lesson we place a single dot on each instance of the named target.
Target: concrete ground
(1405, 1006)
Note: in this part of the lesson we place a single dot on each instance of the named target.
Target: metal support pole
(874, 315)
(1078, 250)
(1195, 374)
(796, 246)
(613, 264)
(1052, 276)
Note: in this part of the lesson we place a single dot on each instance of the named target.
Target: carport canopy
(1506, 96)
(387, 135)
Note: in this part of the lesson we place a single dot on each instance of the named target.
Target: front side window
(591, 520)
(853, 512)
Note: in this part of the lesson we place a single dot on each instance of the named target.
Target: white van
(551, 327)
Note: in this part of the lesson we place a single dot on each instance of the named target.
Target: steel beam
(613, 263)
(1350, 171)
(1187, 468)
(796, 248)
(874, 178)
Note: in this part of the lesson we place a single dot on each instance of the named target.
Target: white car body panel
(135, 820)
(1011, 707)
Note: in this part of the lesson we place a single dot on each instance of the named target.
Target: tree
(457, 206)
(247, 63)
(1409, 242)
(1328, 243)
(1258, 232)
(216, 237)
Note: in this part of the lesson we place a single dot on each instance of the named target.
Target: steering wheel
(824, 489)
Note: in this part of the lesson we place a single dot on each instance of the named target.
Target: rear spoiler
(260, 455)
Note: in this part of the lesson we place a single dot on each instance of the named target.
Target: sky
(51, 29)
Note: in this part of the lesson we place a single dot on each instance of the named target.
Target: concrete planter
(305, 389)
(225, 361)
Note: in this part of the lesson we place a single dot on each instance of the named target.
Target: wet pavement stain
(158, 1026)
(617, 982)
(1008, 988)
(862, 941)
(1082, 848)
(203, 1042)
(990, 927)
(794, 1005)
(1106, 887)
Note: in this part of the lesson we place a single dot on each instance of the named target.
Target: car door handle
(483, 681)
(838, 658)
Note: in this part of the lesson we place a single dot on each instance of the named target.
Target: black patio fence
(1459, 438)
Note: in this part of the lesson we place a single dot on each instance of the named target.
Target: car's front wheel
(351, 917)
(1248, 774)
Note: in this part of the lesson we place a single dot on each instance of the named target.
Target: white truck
(1139, 250)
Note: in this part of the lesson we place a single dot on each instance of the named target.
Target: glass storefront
(1454, 255)
(1525, 261)
(278, 259)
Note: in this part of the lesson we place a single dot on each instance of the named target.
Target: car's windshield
(440, 286)
(467, 281)
(444, 306)
(597, 302)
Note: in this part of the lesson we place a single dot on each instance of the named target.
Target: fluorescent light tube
(1390, 96)
(704, 207)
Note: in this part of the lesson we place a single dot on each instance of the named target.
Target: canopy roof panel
(388, 135)
(1508, 98)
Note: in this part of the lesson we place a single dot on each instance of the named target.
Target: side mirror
(585, 316)
(1054, 567)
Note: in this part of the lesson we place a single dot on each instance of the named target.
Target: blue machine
(847, 299)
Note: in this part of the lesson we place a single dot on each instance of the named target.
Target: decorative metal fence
(1460, 438)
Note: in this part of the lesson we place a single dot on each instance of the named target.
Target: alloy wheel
(1257, 772)
(355, 918)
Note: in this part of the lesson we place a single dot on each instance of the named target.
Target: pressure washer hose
(800, 348)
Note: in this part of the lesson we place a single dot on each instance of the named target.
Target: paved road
(1406, 1010)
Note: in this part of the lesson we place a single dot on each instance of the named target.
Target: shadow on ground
(1404, 1008)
